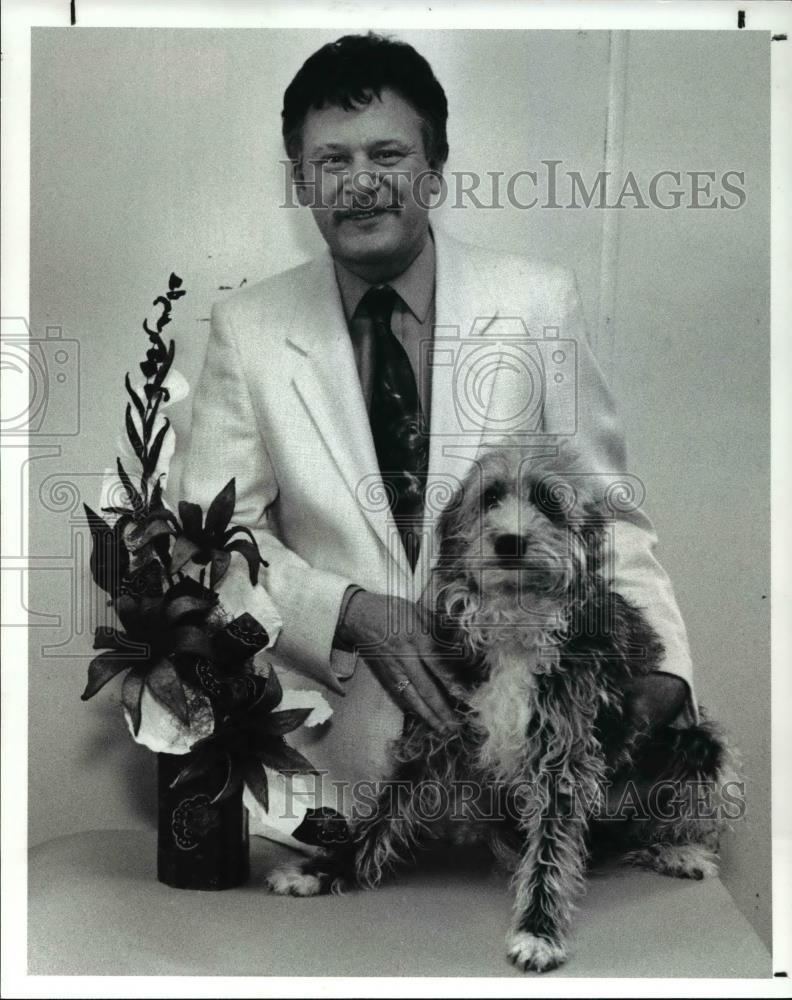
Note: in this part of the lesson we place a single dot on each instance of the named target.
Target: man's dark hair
(354, 70)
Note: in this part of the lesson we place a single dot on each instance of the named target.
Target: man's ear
(429, 187)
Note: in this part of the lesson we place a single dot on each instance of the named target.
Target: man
(312, 376)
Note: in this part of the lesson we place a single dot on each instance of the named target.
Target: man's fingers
(433, 694)
(412, 703)
(412, 696)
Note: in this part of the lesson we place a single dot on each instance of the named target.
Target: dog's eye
(492, 497)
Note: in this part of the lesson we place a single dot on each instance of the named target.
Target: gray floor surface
(96, 908)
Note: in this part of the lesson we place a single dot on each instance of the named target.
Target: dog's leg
(379, 842)
(677, 860)
(682, 788)
(548, 879)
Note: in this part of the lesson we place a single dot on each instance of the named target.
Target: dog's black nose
(511, 546)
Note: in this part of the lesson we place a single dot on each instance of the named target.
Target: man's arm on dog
(631, 540)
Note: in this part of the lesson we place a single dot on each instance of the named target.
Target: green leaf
(109, 560)
(136, 400)
(221, 509)
(271, 694)
(234, 530)
(148, 424)
(164, 368)
(231, 784)
(107, 638)
(280, 723)
(183, 550)
(166, 686)
(156, 448)
(156, 503)
(256, 779)
(251, 554)
(220, 564)
(131, 693)
(198, 766)
(135, 500)
(103, 668)
(134, 437)
(191, 518)
(277, 754)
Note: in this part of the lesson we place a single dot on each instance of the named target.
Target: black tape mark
(73, 12)
(778, 38)
(740, 18)
(780, 975)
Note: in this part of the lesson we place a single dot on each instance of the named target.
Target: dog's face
(521, 532)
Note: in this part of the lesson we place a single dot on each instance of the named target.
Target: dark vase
(199, 845)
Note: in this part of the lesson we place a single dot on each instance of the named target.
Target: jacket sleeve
(630, 546)
(226, 441)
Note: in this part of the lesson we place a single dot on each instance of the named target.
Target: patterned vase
(199, 845)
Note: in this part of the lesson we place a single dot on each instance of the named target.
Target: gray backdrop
(158, 150)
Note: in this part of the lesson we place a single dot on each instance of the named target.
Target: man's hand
(395, 641)
(655, 700)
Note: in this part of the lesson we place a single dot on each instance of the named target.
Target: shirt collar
(415, 286)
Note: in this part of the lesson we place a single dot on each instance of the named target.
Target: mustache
(353, 200)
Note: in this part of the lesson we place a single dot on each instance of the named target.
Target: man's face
(368, 183)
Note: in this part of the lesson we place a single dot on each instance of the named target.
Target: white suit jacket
(279, 406)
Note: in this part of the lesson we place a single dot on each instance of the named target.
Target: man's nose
(362, 177)
(510, 546)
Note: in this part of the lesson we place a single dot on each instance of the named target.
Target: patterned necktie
(397, 422)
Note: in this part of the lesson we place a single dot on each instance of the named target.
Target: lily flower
(249, 740)
(158, 629)
(212, 540)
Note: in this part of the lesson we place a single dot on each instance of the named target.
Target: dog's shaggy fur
(539, 654)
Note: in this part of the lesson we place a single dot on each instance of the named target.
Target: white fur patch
(503, 706)
(290, 881)
(534, 954)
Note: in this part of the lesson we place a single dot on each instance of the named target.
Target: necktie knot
(378, 303)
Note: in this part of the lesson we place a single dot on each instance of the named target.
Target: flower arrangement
(191, 688)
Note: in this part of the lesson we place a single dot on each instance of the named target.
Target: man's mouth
(360, 214)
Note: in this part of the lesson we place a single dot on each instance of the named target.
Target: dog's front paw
(534, 954)
(291, 880)
(677, 860)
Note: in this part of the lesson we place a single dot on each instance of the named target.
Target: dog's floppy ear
(568, 491)
(449, 522)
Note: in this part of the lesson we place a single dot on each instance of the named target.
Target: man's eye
(333, 160)
(389, 155)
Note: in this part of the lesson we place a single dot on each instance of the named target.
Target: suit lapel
(464, 368)
(326, 380)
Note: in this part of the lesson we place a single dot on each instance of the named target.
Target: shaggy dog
(539, 654)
